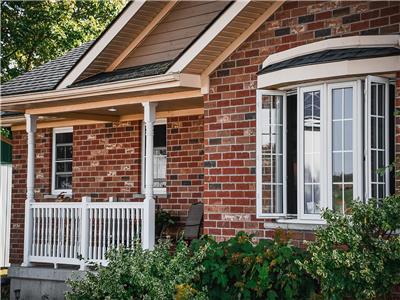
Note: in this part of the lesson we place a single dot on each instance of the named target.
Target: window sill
(142, 196)
(295, 224)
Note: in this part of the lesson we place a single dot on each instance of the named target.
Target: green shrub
(358, 256)
(241, 269)
(140, 274)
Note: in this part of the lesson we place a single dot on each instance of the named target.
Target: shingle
(331, 56)
(126, 73)
(45, 77)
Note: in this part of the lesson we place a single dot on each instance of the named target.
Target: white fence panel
(63, 233)
(5, 211)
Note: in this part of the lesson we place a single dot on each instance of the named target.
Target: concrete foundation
(40, 282)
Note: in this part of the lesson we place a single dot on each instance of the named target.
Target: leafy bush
(358, 256)
(140, 274)
(241, 269)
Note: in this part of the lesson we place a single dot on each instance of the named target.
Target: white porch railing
(78, 232)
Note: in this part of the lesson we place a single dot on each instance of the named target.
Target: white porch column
(148, 238)
(30, 185)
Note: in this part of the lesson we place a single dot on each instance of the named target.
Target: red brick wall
(185, 151)
(107, 161)
(42, 183)
(229, 117)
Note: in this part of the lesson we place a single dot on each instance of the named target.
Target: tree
(35, 32)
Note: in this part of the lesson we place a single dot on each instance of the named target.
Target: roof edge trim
(334, 43)
(101, 43)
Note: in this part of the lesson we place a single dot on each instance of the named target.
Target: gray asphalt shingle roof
(47, 76)
(127, 73)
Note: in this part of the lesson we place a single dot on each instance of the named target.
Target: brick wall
(107, 161)
(42, 183)
(229, 117)
(184, 164)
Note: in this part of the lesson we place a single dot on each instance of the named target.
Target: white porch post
(30, 185)
(148, 238)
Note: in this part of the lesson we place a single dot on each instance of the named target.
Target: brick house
(265, 111)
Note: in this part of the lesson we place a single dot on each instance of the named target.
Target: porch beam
(123, 118)
(149, 203)
(88, 116)
(114, 103)
(30, 184)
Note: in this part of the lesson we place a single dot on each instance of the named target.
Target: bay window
(340, 137)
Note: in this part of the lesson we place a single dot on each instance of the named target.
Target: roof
(127, 73)
(45, 77)
(332, 55)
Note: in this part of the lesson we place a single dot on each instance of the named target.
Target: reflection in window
(342, 148)
(63, 160)
(312, 153)
(378, 132)
(272, 154)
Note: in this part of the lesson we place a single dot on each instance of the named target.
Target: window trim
(259, 212)
(55, 191)
(370, 79)
(357, 139)
(300, 151)
(156, 191)
(360, 160)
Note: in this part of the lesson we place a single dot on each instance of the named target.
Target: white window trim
(55, 191)
(361, 146)
(300, 151)
(370, 79)
(357, 139)
(156, 191)
(259, 120)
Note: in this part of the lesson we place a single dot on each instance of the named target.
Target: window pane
(311, 131)
(378, 139)
(342, 148)
(63, 182)
(63, 161)
(64, 138)
(272, 154)
(160, 135)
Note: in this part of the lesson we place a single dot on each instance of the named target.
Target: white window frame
(55, 191)
(156, 191)
(300, 151)
(361, 144)
(259, 121)
(371, 79)
(357, 138)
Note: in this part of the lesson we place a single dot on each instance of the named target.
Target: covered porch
(78, 230)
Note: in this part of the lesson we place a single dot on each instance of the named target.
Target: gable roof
(45, 77)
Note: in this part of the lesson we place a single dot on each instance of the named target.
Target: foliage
(5, 132)
(164, 218)
(34, 32)
(241, 269)
(358, 256)
(141, 274)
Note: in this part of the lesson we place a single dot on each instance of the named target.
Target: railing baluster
(118, 220)
(46, 230)
(95, 245)
(108, 228)
(33, 246)
(132, 226)
(100, 233)
(66, 254)
(41, 230)
(71, 237)
(113, 228)
(137, 212)
(123, 226)
(128, 227)
(103, 251)
(90, 256)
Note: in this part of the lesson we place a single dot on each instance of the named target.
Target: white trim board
(208, 36)
(334, 43)
(100, 44)
(323, 71)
